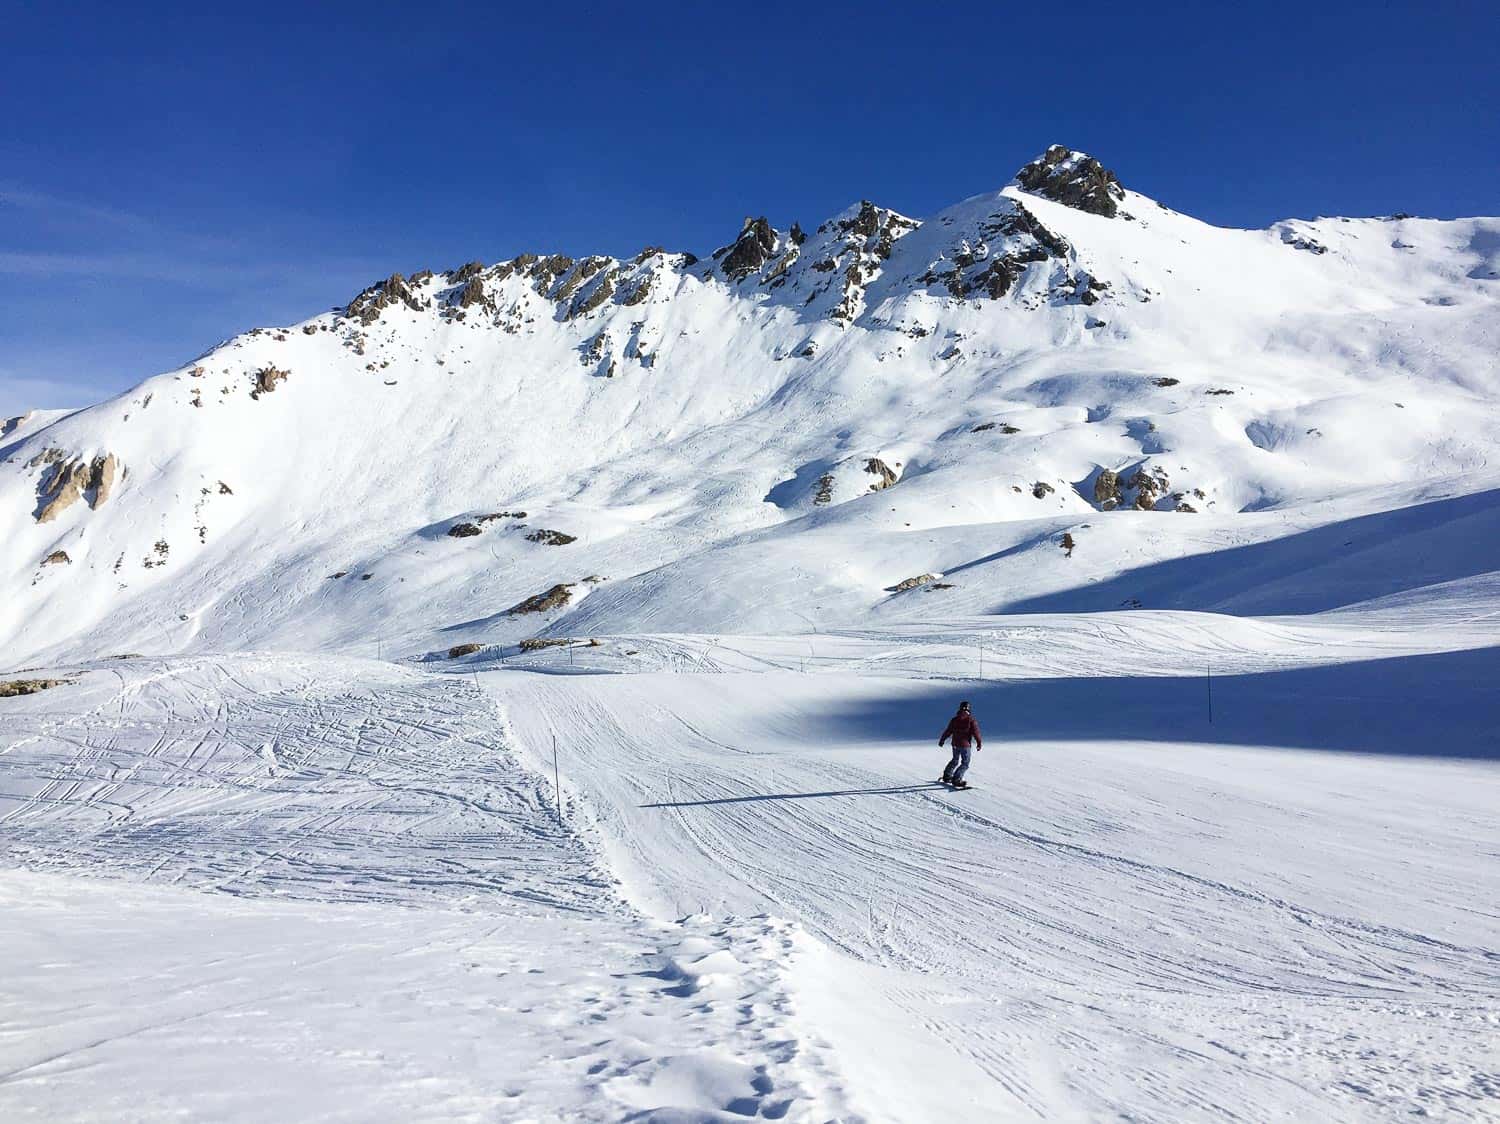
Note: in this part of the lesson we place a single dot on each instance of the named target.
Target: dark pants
(959, 765)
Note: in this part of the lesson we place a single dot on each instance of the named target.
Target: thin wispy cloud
(56, 207)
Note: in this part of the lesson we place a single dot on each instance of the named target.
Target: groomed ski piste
(303, 830)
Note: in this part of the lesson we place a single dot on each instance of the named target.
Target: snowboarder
(963, 729)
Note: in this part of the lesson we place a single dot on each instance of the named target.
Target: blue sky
(171, 175)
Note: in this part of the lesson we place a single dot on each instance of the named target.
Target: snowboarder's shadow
(892, 790)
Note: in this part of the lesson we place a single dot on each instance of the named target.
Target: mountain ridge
(1021, 362)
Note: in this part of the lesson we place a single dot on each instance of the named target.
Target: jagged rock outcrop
(990, 259)
(369, 304)
(751, 250)
(1073, 179)
(266, 380)
(1107, 489)
(912, 583)
(551, 538)
(884, 475)
(68, 480)
(57, 558)
(463, 531)
(554, 598)
(459, 650)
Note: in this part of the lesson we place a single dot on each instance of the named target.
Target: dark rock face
(751, 250)
(1074, 180)
(551, 538)
(884, 475)
(463, 531)
(266, 379)
(471, 294)
(1107, 490)
(1009, 240)
(554, 598)
(464, 650)
(464, 272)
(367, 307)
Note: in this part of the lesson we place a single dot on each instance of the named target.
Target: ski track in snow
(313, 792)
(1128, 931)
(757, 902)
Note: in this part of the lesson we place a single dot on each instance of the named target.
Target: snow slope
(1203, 522)
(663, 410)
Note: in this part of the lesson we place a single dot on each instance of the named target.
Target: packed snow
(514, 695)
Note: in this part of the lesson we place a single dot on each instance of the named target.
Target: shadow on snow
(1445, 705)
(1310, 571)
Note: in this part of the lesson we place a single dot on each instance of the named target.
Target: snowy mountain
(1060, 356)
(512, 694)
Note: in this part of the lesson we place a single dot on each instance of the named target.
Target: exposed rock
(983, 426)
(102, 478)
(266, 379)
(554, 598)
(1041, 489)
(1218, 390)
(1067, 544)
(751, 250)
(10, 425)
(884, 475)
(463, 531)
(338, 574)
(544, 271)
(824, 494)
(225, 489)
(537, 643)
(1184, 506)
(368, 305)
(1163, 380)
(57, 558)
(463, 273)
(1107, 489)
(580, 273)
(551, 538)
(68, 481)
(1149, 487)
(1012, 238)
(1300, 241)
(494, 515)
(309, 329)
(471, 294)
(12, 687)
(912, 583)
(797, 234)
(641, 291)
(464, 650)
(600, 293)
(1073, 179)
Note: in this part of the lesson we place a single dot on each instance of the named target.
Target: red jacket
(962, 728)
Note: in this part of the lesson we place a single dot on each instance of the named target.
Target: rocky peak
(368, 305)
(751, 250)
(1074, 179)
